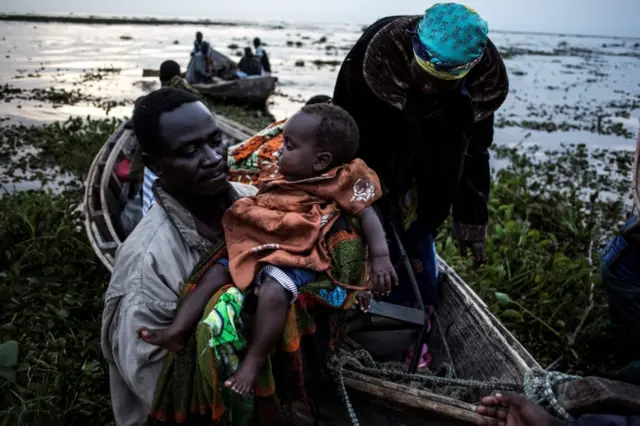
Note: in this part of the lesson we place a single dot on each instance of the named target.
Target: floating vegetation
(600, 126)
(511, 52)
(98, 75)
(63, 147)
(51, 285)
(58, 97)
(329, 62)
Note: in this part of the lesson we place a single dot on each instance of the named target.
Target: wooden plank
(146, 72)
(411, 391)
(599, 395)
(408, 400)
(404, 314)
(466, 324)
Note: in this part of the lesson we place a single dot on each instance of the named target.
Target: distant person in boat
(249, 65)
(183, 144)
(171, 76)
(262, 56)
(197, 43)
(275, 240)
(201, 64)
(516, 410)
(423, 90)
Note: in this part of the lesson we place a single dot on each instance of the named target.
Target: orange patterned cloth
(286, 223)
(248, 158)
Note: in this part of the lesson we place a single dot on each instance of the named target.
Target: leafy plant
(8, 360)
(550, 214)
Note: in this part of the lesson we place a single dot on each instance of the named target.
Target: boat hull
(250, 91)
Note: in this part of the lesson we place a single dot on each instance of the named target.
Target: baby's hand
(384, 276)
(363, 299)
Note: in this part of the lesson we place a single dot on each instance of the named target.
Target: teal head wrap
(450, 40)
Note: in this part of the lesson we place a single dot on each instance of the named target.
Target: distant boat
(252, 91)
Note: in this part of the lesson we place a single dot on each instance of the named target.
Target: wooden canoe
(465, 334)
(249, 91)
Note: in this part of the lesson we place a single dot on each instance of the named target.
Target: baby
(276, 240)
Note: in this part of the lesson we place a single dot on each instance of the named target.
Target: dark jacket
(440, 141)
(250, 65)
(264, 61)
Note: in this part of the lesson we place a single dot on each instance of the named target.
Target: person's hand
(363, 299)
(477, 251)
(384, 275)
(514, 410)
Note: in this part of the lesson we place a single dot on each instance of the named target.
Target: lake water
(585, 86)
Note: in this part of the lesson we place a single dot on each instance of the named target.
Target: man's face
(194, 157)
(198, 37)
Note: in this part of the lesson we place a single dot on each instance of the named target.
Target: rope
(539, 385)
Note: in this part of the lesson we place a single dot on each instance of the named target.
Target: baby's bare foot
(242, 382)
(164, 338)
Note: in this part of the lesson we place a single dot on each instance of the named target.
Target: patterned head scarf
(450, 40)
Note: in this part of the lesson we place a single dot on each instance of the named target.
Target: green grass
(51, 295)
(51, 284)
(549, 218)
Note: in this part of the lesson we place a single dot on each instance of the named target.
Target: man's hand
(384, 276)
(477, 251)
(514, 410)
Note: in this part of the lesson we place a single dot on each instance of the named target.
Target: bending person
(423, 90)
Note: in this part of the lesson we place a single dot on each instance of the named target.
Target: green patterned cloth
(225, 325)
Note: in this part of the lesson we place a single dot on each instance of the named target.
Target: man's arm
(138, 362)
(470, 213)
(138, 296)
(192, 308)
